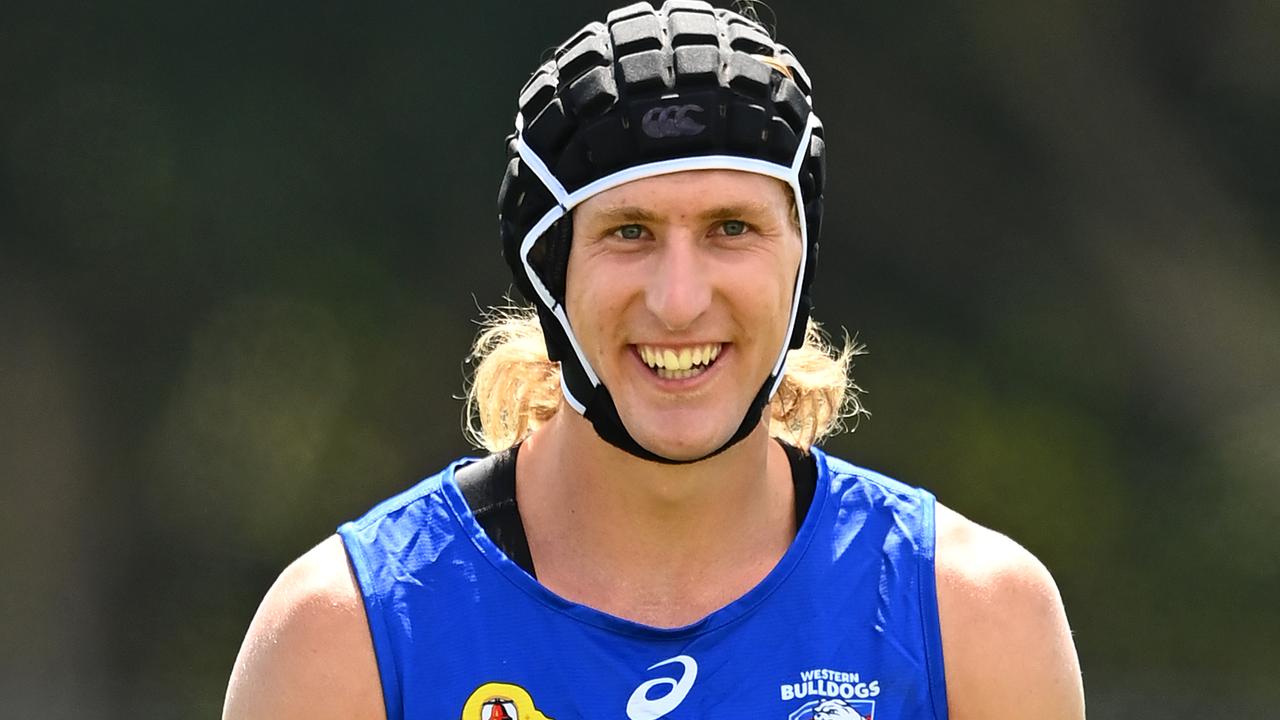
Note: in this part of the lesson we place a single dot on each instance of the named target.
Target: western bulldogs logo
(671, 121)
(831, 694)
(834, 710)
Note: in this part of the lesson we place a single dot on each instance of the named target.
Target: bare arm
(1005, 640)
(308, 653)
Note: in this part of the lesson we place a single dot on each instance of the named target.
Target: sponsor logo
(671, 121)
(501, 701)
(642, 707)
(831, 695)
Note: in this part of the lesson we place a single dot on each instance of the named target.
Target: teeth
(677, 374)
(677, 364)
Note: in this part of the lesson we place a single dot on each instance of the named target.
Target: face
(679, 290)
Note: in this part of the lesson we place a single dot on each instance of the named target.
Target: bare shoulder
(308, 653)
(1005, 640)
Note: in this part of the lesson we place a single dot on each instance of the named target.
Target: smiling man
(654, 533)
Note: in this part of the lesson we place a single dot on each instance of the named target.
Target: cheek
(592, 302)
(772, 294)
(577, 286)
(789, 278)
(768, 284)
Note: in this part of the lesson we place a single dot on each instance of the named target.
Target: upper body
(673, 295)
(1007, 648)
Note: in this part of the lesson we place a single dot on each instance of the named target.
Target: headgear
(650, 92)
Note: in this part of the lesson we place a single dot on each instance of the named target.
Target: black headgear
(650, 92)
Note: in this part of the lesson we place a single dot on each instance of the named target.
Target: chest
(796, 655)
(844, 626)
(657, 599)
(788, 672)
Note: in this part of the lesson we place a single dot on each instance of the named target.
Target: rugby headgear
(650, 92)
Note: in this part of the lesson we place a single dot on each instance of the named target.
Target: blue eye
(630, 232)
(733, 227)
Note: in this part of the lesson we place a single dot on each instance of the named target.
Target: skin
(690, 258)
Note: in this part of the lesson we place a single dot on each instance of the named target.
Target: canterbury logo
(643, 707)
(671, 121)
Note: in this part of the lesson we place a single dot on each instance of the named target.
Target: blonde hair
(515, 388)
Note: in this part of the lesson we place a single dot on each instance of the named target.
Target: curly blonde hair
(515, 389)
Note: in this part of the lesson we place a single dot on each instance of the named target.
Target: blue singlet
(845, 626)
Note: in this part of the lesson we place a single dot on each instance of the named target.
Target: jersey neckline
(586, 614)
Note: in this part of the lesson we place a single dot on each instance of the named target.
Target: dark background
(243, 246)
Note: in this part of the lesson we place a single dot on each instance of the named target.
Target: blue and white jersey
(845, 626)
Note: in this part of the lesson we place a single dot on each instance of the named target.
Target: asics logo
(643, 707)
(671, 121)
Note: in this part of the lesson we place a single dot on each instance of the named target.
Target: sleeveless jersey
(845, 626)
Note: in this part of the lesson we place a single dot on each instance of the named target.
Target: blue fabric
(846, 623)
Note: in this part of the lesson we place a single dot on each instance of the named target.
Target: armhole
(932, 627)
(375, 615)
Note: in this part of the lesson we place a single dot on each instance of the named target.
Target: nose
(678, 290)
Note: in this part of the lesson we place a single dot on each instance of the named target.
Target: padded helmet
(646, 93)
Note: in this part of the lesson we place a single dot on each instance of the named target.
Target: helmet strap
(602, 413)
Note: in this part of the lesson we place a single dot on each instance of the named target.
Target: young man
(642, 543)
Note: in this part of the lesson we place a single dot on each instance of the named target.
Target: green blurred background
(243, 246)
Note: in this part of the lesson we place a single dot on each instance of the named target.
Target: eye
(630, 232)
(733, 227)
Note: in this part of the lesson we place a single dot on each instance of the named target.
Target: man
(641, 544)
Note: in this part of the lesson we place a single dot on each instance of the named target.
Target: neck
(661, 544)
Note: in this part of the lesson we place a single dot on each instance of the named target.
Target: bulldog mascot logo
(501, 701)
(834, 710)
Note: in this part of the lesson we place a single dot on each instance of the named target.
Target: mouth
(679, 363)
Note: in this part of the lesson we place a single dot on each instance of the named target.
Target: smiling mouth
(672, 363)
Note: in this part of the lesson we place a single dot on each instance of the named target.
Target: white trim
(549, 301)
(666, 167)
(793, 180)
(574, 402)
(540, 169)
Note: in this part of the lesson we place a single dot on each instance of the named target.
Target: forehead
(692, 191)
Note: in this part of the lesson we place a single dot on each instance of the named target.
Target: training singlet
(845, 626)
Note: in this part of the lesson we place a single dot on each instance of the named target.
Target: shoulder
(1006, 644)
(308, 653)
(845, 476)
(856, 489)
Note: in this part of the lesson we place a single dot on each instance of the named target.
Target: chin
(670, 441)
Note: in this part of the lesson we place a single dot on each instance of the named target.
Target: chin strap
(603, 415)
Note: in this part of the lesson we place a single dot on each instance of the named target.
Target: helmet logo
(671, 121)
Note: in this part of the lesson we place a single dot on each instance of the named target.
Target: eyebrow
(737, 210)
(624, 213)
(632, 213)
